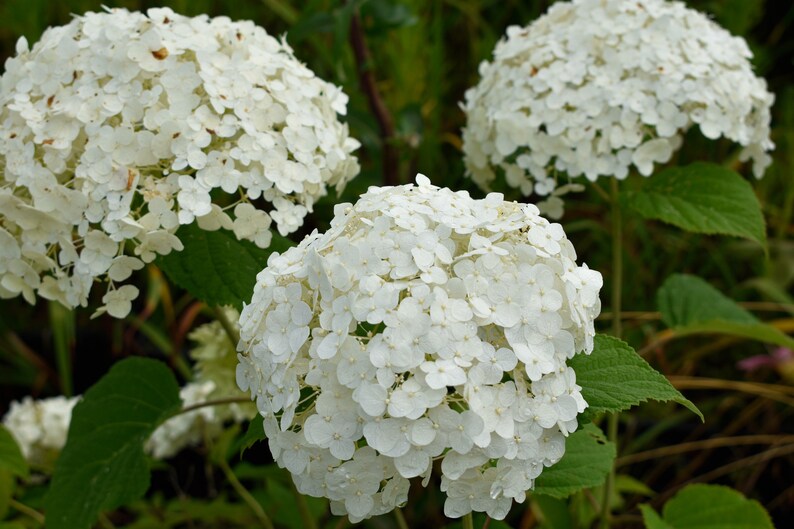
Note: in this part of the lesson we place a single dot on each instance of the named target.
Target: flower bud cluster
(422, 326)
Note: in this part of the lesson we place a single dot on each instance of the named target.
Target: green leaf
(586, 463)
(11, 458)
(7, 483)
(652, 519)
(702, 198)
(12, 525)
(215, 267)
(254, 434)
(689, 305)
(708, 507)
(553, 513)
(615, 378)
(628, 484)
(103, 464)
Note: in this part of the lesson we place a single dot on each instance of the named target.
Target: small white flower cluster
(215, 359)
(424, 325)
(594, 87)
(120, 126)
(187, 429)
(39, 427)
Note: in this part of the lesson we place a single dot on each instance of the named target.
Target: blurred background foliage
(424, 55)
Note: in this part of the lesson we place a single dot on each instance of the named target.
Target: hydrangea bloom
(594, 87)
(424, 325)
(40, 427)
(118, 127)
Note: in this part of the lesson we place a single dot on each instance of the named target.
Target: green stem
(213, 402)
(245, 495)
(617, 330)
(398, 515)
(62, 325)
(231, 330)
(468, 521)
(28, 511)
(303, 508)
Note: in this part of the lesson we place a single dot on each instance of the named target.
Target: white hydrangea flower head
(423, 325)
(595, 87)
(120, 126)
(40, 427)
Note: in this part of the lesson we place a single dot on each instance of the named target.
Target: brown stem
(703, 445)
(376, 105)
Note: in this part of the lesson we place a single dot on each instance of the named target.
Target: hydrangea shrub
(120, 126)
(424, 325)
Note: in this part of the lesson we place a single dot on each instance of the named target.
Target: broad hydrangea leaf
(708, 506)
(615, 378)
(689, 305)
(586, 463)
(702, 198)
(11, 458)
(103, 464)
(215, 267)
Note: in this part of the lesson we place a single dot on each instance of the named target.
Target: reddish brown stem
(376, 105)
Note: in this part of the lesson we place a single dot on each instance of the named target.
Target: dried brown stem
(703, 445)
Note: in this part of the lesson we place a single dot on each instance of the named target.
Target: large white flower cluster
(39, 427)
(118, 127)
(423, 326)
(594, 87)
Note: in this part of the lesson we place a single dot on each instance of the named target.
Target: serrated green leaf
(615, 378)
(586, 463)
(254, 434)
(708, 507)
(103, 464)
(11, 458)
(702, 198)
(215, 267)
(689, 305)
